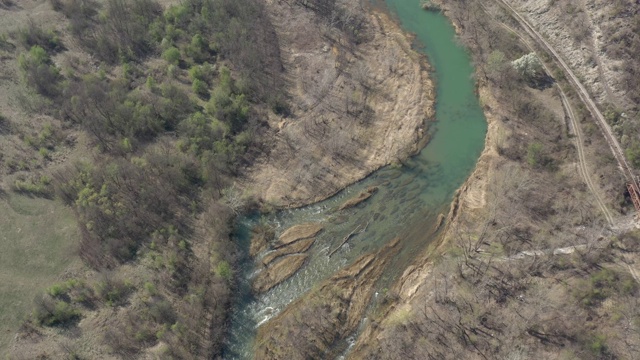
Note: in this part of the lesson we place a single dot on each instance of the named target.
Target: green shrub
(224, 270)
(200, 88)
(199, 133)
(39, 72)
(280, 106)
(40, 187)
(72, 290)
(598, 344)
(113, 292)
(198, 49)
(178, 15)
(121, 31)
(604, 284)
(612, 115)
(172, 55)
(34, 35)
(202, 72)
(161, 312)
(44, 152)
(534, 154)
(150, 288)
(633, 154)
(51, 312)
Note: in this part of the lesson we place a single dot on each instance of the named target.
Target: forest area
(172, 102)
(141, 117)
(146, 120)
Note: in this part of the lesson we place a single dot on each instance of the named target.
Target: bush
(534, 154)
(161, 312)
(34, 35)
(121, 31)
(202, 72)
(49, 312)
(598, 345)
(112, 291)
(227, 103)
(200, 88)
(633, 154)
(604, 284)
(72, 290)
(198, 49)
(171, 55)
(41, 187)
(40, 73)
(224, 270)
(199, 133)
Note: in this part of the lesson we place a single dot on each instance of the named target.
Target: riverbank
(356, 107)
(405, 207)
(500, 285)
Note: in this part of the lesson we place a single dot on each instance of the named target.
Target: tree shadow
(542, 82)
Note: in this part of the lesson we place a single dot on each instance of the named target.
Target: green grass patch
(37, 237)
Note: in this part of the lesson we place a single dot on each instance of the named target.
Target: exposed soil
(312, 326)
(278, 272)
(298, 232)
(355, 108)
(362, 197)
(296, 247)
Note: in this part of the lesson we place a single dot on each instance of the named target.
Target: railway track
(579, 141)
(616, 149)
(614, 145)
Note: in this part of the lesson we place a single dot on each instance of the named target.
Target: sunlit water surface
(409, 198)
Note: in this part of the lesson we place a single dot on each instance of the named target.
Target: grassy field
(37, 237)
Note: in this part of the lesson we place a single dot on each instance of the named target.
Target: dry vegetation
(360, 99)
(600, 41)
(532, 271)
(168, 105)
(140, 117)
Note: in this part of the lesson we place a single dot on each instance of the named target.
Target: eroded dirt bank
(500, 283)
(312, 326)
(357, 105)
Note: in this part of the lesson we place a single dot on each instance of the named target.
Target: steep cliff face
(361, 99)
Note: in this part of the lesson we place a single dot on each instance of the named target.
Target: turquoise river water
(409, 198)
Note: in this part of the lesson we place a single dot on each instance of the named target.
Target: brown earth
(312, 326)
(296, 247)
(476, 295)
(355, 108)
(278, 272)
(363, 196)
(260, 240)
(298, 232)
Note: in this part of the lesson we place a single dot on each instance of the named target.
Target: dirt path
(579, 141)
(582, 163)
(580, 89)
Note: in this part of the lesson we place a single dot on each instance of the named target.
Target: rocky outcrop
(298, 232)
(278, 272)
(363, 196)
(288, 256)
(296, 247)
(311, 327)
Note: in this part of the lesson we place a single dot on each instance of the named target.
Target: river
(410, 196)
